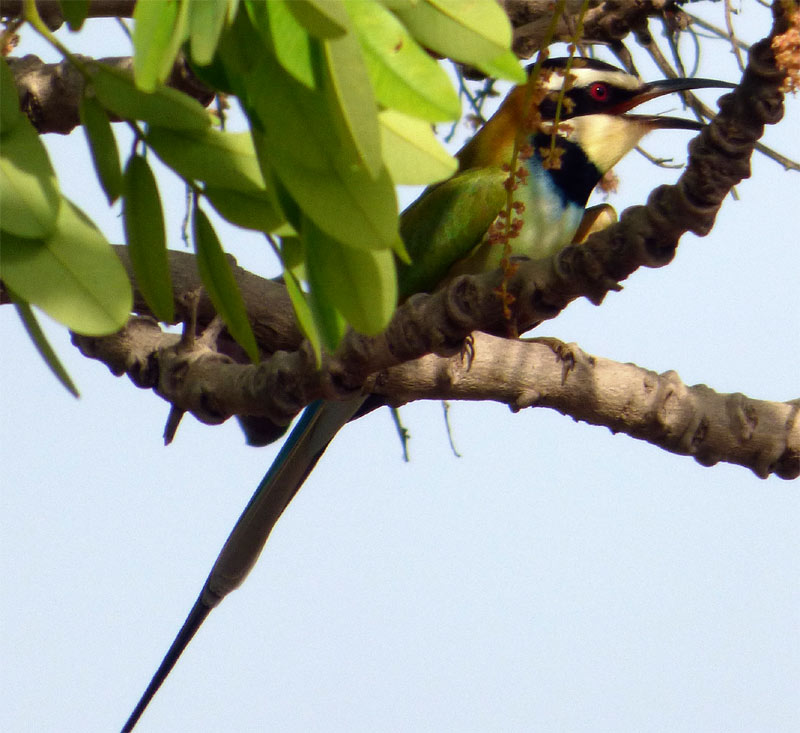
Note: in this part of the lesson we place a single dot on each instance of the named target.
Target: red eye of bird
(599, 91)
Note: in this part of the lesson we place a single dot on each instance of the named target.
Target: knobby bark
(429, 350)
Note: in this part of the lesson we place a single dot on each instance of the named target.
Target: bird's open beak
(659, 88)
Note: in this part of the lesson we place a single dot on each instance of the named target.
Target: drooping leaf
(293, 272)
(73, 275)
(46, 351)
(75, 12)
(166, 107)
(103, 147)
(220, 159)
(251, 210)
(206, 21)
(143, 218)
(476, 32)
(504, 66)
(321, 18)
(349, 93)
(29, 199)
(411, 150)
(348, 205)
(217, 277)
(10, 113)
(160, 27)
(290, 40)
(361, 284)
(403, 74)
(299, 145)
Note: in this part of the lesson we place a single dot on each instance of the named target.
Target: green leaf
(321, 18)
(233, 8)
(411, 150)
(254, 210)
(218, 279)
(403, 74)
(35, 333)
(10, 113)
(292, 250)
(206, 21)
(349, 92)
(361, 284)
(75, 12)
(103, 147)
(300, 146)
(29, 199)
(160, 27)
(166, 107)
(347, 204)
(220, 159)
(476, 32)
(73, 275)
(290, 41)
(505, 66)
(293, 257)
(143, 218)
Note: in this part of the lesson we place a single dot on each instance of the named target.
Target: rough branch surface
(421, 354)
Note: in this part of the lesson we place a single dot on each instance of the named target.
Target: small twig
(402, 432)
(732, 35)
(717, 31)
(173, 420)
(660, 162)
(449, 428)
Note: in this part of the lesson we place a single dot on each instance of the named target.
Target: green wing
(446, 223)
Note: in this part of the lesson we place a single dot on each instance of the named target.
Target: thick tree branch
(657, 408)
(50, 10)
(213, 386)
(660, 409)
(605, 22)
(50, 93)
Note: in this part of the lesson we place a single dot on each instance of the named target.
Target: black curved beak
(655, 89)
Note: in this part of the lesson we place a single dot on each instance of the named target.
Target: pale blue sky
(554, 578)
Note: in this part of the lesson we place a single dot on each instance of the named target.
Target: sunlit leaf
(160, 27)
(293, 272)
(299, 145)
(166, 107)
(411, 150)
(216, 274)
(220, 159)
(350, 94)
(360, 283)
(29, 199)
(403, 74)
(206, 21)
(472, 31)
(143, 218)
(46, 351)
(290, 41)
(253, 210)
(73, 275)
(103, 147)
(321, 18)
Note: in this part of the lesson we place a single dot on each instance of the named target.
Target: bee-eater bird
(446, 232)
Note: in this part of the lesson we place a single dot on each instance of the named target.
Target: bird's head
(597, 101)
(594, 113)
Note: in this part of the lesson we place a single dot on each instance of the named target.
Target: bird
(446, 232)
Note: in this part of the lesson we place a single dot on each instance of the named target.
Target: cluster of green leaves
(339, 96)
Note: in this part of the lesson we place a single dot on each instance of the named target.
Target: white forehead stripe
(585, 76)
